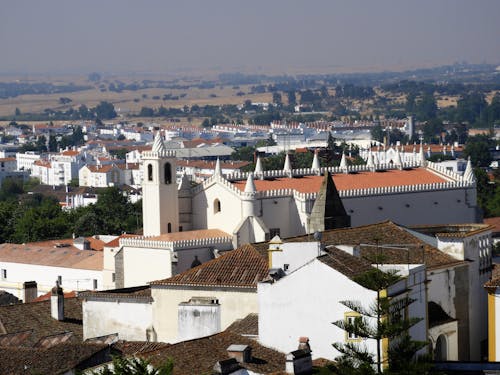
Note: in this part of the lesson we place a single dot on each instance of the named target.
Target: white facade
(46, 276)
(235, 303)
(307, 301)
(130, 318)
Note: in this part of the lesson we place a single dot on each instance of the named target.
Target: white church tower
(160, 207)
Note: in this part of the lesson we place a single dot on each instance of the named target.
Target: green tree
(384, 319)
(105, 110)
(377, 133)
(53, 143)
(478, 149)
(136, 366)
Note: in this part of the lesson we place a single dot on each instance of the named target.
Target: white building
(256, 206)
(25, 161)
(74, 263)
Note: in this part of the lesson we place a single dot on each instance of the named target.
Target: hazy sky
(260, 36)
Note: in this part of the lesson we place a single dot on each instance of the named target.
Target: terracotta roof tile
(46, 296)
(362, 180)
(199, 356)
(345, 263)
(116, 242)
(248, 326)
(494, 222)
(46, 253)
(35, 316)
(190, 235)
(452, 230)
(70, 153)
(243, 267)
(387, 233)
(59, 359)
(136, 292)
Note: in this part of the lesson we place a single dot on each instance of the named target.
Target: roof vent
(242, 353)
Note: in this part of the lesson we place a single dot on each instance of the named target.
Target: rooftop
(361, 180)
(36, 317)
(380, 235)
(243, 267)
(190, 235)
(200, 355)
(55, 253)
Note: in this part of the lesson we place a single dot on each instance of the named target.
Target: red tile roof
(494, 222)
(46, 296)
(200, 355)
(116, 242)
(45, 254)
(362, 180)
(190, 235)
(243, 267)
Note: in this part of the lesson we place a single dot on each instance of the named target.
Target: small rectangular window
(285, 267)
(113, 277)
(94, 284)
(59, 280)
(352, 321)
(4, 274)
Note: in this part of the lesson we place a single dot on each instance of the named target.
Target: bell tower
(160, 207)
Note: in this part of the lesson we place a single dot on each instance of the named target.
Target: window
(113, 277)
(59, 280)
(150, 172)
(94, 284)
(216, 205)
(286, 267)
(4, 274)
(352, 319)
(169, 228)
(168, 173)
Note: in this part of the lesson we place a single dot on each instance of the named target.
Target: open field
(128, 101)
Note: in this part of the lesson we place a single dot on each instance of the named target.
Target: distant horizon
(203, 73)
(57, 37)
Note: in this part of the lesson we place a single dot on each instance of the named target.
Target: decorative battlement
(149, 242)
(454, 181)
(156, 154)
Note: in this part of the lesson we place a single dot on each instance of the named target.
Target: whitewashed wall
(294, 306)
(143, 265)
(129, 319)
(234, 304)
(46, 276)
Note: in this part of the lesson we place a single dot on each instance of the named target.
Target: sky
(259, 36)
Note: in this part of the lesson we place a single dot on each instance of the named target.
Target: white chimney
(57, 302)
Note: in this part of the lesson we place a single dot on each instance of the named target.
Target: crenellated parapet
(158, 154)
(150, 242)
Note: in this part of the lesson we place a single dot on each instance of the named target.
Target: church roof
(361, 180)
(240, 268)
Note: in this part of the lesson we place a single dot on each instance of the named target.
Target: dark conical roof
(328, 211)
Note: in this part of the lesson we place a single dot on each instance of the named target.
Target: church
(255, 206)
(192, 223)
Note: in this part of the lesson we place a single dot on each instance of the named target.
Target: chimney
(242, 353)
(300, 360)
(30, 289)
(57, 302)
(227, 367)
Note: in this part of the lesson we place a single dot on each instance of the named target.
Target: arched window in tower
(150, 172)
(168, 174)
(216, 205)
(169, 228)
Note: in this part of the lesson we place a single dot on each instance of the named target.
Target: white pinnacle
(469, 172)
(343, 163)
(287, 167)
(315, 163)
(258, 166)
(158, 145)
(250, 185)
(217, 169)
